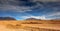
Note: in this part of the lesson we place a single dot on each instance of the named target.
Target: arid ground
(33, 25)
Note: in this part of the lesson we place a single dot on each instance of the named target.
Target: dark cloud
(27, 5)
(24, 0)
(17, 5)
(18, 2)
(31, 6)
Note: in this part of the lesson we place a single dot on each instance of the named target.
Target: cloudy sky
(23, 9)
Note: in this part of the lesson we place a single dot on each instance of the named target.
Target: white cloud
(15, 8)
(54, 14)
(49, 16)
(37, 17)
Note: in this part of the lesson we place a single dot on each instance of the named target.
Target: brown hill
(32, 19)
(7, 18)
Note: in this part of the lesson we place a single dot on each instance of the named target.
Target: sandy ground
(28, 27)
(45, 26)
(3, 28)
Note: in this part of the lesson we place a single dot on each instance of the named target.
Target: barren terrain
(29, 25)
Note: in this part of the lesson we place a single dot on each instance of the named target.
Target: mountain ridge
(7, 18)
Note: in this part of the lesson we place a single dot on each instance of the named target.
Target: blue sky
(23, 9)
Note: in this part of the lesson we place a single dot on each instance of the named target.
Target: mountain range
(7, 18)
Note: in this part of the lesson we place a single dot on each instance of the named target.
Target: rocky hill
(32, 19)
(7, 18)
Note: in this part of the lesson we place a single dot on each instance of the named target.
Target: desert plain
(29, 25)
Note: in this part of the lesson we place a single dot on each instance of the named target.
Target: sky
(23, 9)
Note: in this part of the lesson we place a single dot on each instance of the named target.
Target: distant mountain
(32, 19)
(7, 18)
